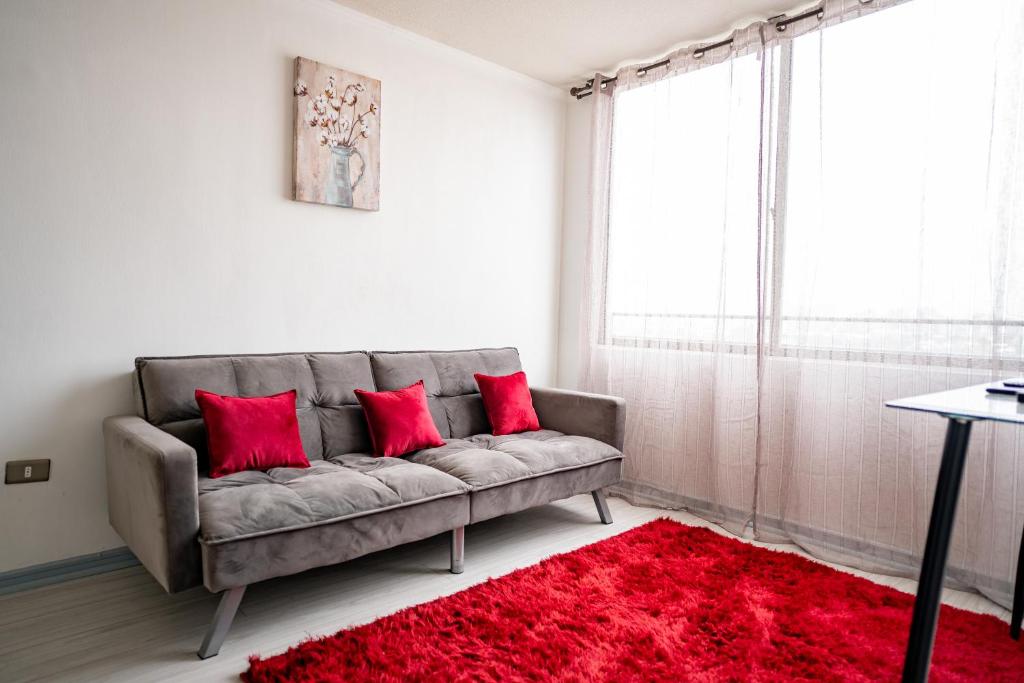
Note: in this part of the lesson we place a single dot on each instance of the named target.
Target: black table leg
(1018, 595)
(936, 549)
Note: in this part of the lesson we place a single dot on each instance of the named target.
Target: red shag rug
(663, 602)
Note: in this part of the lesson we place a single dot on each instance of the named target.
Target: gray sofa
(229, 532)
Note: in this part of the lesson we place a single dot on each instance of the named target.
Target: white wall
(576, 210)
(145, 175)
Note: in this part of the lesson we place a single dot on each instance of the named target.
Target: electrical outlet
(26, 471)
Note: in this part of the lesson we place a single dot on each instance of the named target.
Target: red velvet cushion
(508, 403)
(251, 433)
(399, 420)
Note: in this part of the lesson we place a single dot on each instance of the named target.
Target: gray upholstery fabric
(248, 504)
(193, 433)
(239, 563)
(324, 383)
(338, 375)
(168, 385)
(455, 369)
(265, 375)
(153, 499)
(528, 493)
(575, 412)
(344, 430)
(396, 370)
(484, 461)
(465, 415)
(448, 379)
(440, 416)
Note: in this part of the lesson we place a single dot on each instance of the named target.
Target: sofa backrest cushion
(331, 421)
(454, 399)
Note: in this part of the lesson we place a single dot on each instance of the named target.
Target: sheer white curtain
(789, 231)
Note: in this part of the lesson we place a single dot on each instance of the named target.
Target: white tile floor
(122, 626)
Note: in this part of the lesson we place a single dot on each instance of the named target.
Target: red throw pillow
(251, 433)
(399, 420)
(508, 403)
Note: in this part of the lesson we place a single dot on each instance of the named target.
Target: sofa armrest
(575, 412)
(153, 499)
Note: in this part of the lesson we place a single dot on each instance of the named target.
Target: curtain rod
(781, 22)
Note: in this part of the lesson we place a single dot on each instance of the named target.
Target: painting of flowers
(337, 136)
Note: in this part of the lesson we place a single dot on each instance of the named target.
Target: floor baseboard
(59, 571)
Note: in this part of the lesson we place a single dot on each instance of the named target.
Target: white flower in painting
(312, 119)
(326, 113)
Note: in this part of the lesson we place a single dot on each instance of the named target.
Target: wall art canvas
(337, 136)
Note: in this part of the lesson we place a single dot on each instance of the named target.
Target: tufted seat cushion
(484, 461)
(250, 504)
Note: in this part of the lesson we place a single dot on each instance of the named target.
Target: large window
(681, 207)
(879, 199)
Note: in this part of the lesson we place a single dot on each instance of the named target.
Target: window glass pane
(897, 232)
(683, 207)
(889, 229)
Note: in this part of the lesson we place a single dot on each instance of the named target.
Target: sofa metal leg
(229, 601)
(458, 544)
(602, 506)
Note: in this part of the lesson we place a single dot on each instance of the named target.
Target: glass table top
(972, 401)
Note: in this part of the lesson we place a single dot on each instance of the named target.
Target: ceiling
(564, 41)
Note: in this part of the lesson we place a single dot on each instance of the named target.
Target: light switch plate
(26, 471)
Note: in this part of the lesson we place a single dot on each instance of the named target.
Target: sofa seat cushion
(252, 503)
(484, 461)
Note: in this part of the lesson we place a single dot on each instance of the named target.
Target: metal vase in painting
(339, 186)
